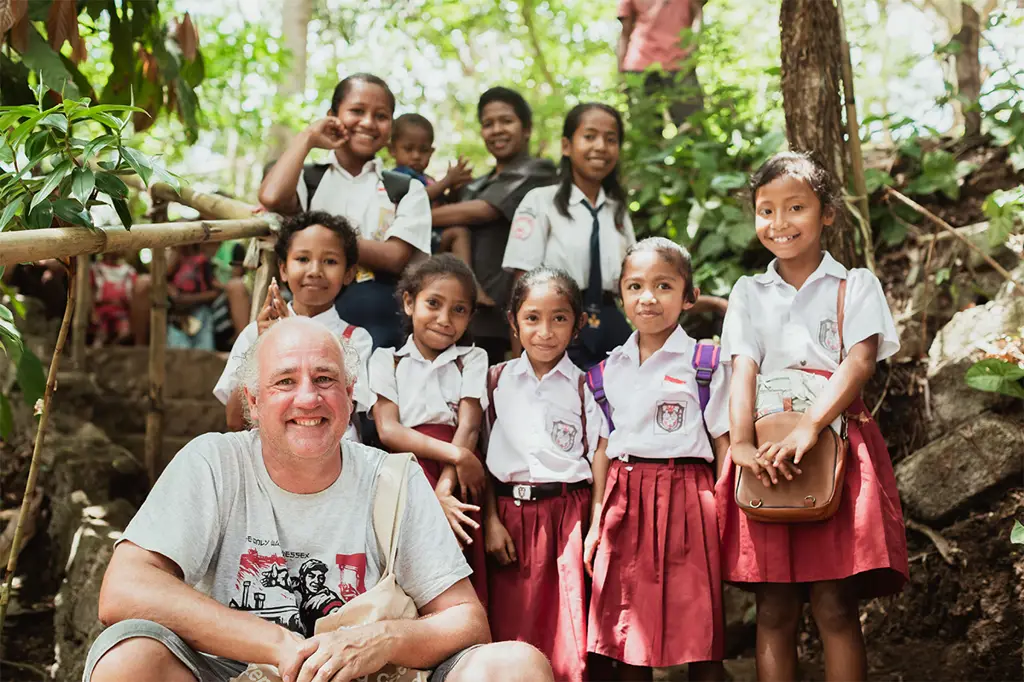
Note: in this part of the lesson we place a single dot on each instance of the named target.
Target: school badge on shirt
(669, 416)
(828, 335)
(564, 435)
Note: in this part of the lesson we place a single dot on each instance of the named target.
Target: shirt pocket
(564, 428)
(673, 401)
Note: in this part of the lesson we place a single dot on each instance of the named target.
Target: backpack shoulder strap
(349, 330)
(595, 380)
(389, 504)
(459, 364)
(841, 309)
(312, 175)
(493, 375)
(396, 185)
(583, 413)
(706, 358)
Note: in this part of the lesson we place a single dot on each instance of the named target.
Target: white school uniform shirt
(537, 435)
(780, 327)
(656, 405)
(428, 392)
(540, 235)
(364, 201)
(364, 398)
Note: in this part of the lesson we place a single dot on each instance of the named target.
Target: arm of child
(599, 467)
(497, 541)
(628, 21)
(473, 212)
(390, 255)
(279, 192)
(721, 446)
(742, 391)
(710, 304)
(841, 390)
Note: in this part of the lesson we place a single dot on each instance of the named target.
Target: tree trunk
(295, 15)
(968, 68)
(811, 85)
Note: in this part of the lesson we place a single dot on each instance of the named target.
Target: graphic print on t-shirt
(294, 589)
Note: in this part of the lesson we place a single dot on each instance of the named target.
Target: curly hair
(337, 224)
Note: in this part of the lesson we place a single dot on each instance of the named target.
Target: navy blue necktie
(592, 296)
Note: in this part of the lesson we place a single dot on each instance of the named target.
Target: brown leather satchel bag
(815, 494)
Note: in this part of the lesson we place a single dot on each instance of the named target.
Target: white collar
(449, 354)
(827, 266)
(677, 342)
(374, 165)
(577, 196)
(326, 317)
(564, 367)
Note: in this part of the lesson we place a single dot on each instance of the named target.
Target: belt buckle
(522, 492)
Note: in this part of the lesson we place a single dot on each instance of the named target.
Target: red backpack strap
(583, 413)
(841, 309)
(493, 375)
(459, 364)
(349, 330)
(595, 380)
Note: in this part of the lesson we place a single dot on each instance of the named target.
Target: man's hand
(498, 542)
(327, 133)
(292, 652)
(346, 654)
(471, 475)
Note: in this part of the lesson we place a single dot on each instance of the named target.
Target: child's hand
(470, 471)
(746, 456)
(273, 309)
(498, 542)
(786, 454)
(327, 133)
(590, 544)
(455, 511)
(459, 174)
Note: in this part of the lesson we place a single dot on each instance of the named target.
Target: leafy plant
(1017, 534)
(940, 172)
(994, 375)
(1005, 212)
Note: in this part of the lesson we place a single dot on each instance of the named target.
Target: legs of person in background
(835, 610)
(496, 348)
(140, 309)
(634, 673)
(707, 671)
(458, 242)
(238, 303)
(778, 618)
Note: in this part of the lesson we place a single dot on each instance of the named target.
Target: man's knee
(140, 658)
(504, 661)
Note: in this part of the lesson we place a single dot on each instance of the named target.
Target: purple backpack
(705, 361)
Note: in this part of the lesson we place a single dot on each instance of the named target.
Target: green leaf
(72, 211)
(1017, 534)
(97, 145)
(55, 120)
(139, 162)
(41, 216)
(875, 178)
(52, 180)
(6, 418)
(111, 185)
(6, 153)
(36, 143)
(121, 206)
(82, 183)
(724, 182)
(40, 58)
(92, 112)
(9, 211)
(996, 376)
(10, 336)
(31, 377)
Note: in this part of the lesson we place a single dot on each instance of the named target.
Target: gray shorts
(205, 668)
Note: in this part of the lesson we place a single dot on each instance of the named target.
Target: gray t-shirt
(289, 558)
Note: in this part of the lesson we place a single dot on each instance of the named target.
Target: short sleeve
(739, 335)
(229, 379)
(510, 187)
(428, 560)
(597, 428)
(625, 9)
(382, 374)
(184, 516)
(867, 313)
(412, 221)
(363, 394)
(627, 227)
(716, 415)
(300, 190)
(528, 238)
(474, 376)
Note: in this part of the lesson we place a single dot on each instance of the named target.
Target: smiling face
(413, 148)
(440, 314)
(594, 147)
(653, 292)
(503, 131)
(315, 270)
(302, 404)
(366, 114)
(789, 218)
(545, 324)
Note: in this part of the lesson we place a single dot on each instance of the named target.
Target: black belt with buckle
(672, 461)
(531, 492)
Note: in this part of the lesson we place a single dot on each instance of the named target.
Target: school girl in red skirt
(431, 393)
(787, 318)
(544, 429)
(657, 593)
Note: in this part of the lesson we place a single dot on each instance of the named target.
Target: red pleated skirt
(864, 540)
(541, 599)
(657, 594)
(475, 553)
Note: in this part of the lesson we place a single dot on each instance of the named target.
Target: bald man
(249, 537)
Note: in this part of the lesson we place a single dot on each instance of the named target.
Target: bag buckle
(704, 376)
(522, 492)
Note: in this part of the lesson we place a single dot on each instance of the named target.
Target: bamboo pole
(65, 242)
(33, 467)
(157, 364)
(266, 271)
(209, 205)
(853, 133)
(83, 311)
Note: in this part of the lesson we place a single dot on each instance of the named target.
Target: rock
(76, 606)
(949, 472)
(955, 349)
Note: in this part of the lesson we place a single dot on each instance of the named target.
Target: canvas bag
(814, 495)
(384, 601)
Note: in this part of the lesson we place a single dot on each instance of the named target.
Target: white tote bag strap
(389, 504)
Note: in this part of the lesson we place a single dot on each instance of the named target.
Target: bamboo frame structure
(157, 365)
(83, 310)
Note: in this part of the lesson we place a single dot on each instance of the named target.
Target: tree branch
(538, 53)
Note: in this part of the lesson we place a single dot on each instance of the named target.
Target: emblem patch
(563, 434)
(522, 227)
(828, 335)
(668, 417)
